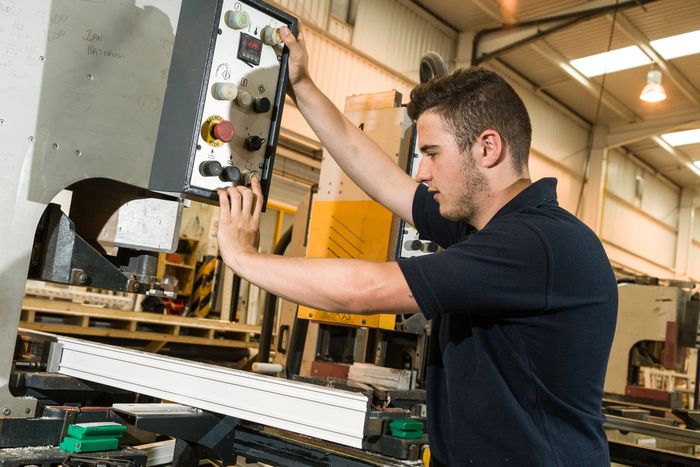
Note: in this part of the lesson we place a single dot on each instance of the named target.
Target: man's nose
(423, 174)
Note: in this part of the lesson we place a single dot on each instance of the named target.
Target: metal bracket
(198, 432)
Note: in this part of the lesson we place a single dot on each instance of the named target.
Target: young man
(522, 300)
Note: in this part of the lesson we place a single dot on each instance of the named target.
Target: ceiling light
(608, 62)
(653, 91)
(680, 138)
(678, 46)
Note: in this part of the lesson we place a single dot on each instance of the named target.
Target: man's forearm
(359, 157)
(345, 285)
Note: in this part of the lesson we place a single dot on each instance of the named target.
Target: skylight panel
(678, 46)
(669, 48)
(681, 138)
(615, 60)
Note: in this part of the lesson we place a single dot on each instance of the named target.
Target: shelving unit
(180, 265)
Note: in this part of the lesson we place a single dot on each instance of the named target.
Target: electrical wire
(587, 162)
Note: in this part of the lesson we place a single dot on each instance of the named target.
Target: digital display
(249, 49)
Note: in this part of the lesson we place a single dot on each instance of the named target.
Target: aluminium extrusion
(330, 414)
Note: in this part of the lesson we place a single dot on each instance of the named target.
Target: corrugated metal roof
(661, 18)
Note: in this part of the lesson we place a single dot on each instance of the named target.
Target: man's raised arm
(364, 162)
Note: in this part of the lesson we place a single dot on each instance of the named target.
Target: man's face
(452, 175)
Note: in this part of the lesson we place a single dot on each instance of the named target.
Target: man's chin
(447, 214)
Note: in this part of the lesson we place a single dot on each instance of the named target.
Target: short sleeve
(431, 225)
(501, 271)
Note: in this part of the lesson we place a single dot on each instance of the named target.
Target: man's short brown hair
(473, 100)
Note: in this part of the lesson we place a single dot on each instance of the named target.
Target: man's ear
(491, 147)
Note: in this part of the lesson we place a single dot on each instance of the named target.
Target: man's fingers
(288, 38)
(247, 197)
(257, 191)
(224, 206)
(235, 199)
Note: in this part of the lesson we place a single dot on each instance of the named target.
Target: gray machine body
(85, 88)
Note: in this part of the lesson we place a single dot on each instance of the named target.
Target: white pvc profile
(325, 413)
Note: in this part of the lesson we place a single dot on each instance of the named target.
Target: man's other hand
(298, 59)
(239, 220)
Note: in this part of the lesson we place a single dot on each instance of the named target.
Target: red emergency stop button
(223, 131)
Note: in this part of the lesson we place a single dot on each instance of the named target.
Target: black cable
(587, 163)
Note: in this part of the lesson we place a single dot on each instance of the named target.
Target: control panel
(239, 111)
(408, 242)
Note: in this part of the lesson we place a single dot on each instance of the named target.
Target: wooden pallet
(62, 317)
(103, 299)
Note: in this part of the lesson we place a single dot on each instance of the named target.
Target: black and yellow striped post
(203, 287)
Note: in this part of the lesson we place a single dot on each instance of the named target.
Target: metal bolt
(31, 139)
(81, 278)
(261, 165)
(54, 145)
(27, 410)
(2, 121)
(78, 153)
(6, 411)
(42, 58)
(90, 77)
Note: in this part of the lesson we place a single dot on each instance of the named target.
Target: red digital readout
(252, 44)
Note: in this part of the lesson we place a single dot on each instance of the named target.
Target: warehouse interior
(123, 328)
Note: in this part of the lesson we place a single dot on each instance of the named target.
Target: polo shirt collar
(543, 191)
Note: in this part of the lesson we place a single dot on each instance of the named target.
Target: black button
(210, 168)
(431, 247)
(253, 143)
(231, 174)
(261, 105)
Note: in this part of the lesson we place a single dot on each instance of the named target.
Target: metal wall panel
(694, 262)
(694, 254)
(398, 33)
(658, 199)
(621, 177)
(310, 11)
(627, 227)
(568, 183)
(339, 72)
(661, 201)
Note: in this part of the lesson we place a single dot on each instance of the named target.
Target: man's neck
(496, 199)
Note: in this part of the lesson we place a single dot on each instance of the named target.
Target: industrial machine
(113, 116)
(651, 405)
(657, 325)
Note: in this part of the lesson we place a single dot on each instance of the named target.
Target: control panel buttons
(271, 36)
(261, 105)
(224, 91)
(216, 131)
(248, 176)
(237, 19)
(223, 131)
(244, 99)
(210, 168)
(231, 174)
(414, 245)
(253, 143)
(431, 247)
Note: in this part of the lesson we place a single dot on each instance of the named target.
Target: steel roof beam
(492, 42)
(620, 135)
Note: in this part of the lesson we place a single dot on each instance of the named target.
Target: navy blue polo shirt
(523, 315)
